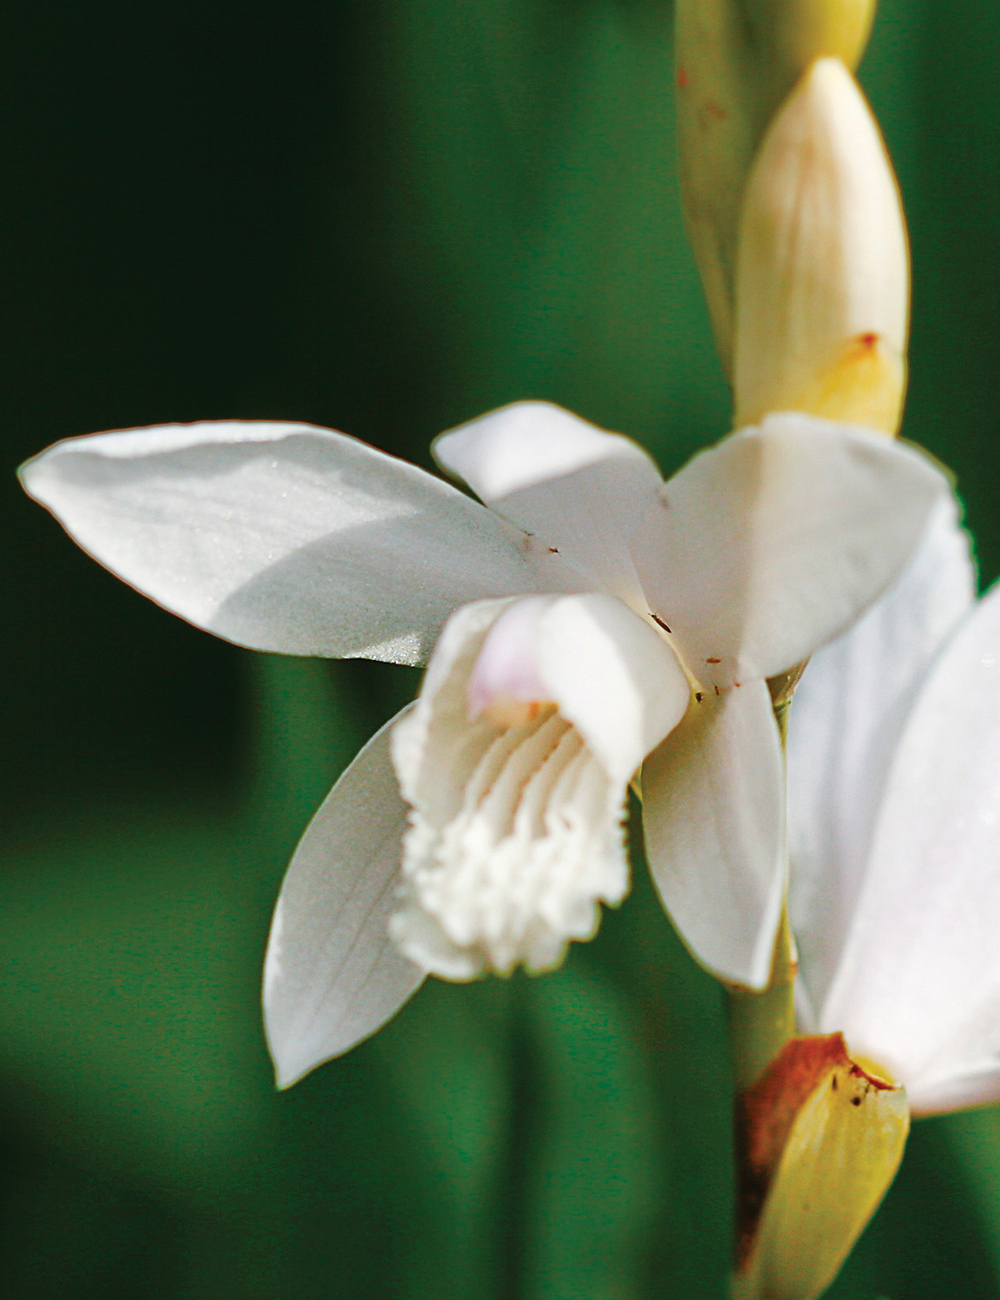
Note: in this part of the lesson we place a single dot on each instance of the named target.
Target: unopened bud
(823, 280)
(737, 60)
(820, 1139)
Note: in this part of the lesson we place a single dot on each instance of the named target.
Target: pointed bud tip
(737, 60)
(823, 271)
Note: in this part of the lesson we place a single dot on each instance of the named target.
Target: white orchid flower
(597, 616)
(894, 828)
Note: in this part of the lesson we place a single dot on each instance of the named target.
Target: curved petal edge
(713, 814)
(332, 975)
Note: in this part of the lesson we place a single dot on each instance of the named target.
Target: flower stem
(760, 1024)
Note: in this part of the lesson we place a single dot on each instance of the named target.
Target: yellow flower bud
(736, 62)
(820, 1140)
(823, 279)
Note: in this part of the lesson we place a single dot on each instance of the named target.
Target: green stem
(760, 1024)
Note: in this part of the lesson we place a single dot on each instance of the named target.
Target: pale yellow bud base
(819, 1140)
(865, 385)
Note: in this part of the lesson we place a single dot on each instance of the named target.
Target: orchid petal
(516, 830)
(506, 681)
(613, 676)
(281, 537)
(768, 545)
(577, 489)
(978, 1084)
(918, 984)
(844, 724)
(332, 975)
(526, 444)
(443, 706)
(713, 814)
(608, 672)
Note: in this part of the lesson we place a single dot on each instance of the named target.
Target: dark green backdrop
(385, 217)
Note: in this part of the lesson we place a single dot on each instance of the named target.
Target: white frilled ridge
(522, 867)
(594, 615)
(516, 823)
(909, 968)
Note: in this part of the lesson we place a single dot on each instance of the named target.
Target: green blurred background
(385, 217)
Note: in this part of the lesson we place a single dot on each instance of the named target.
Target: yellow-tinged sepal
(736, 62)
(819, 1140)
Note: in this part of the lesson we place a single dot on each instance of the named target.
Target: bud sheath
(819, 1141)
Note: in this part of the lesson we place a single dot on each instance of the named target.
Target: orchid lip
(510, 713)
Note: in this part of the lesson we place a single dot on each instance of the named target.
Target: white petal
(844, 724)
(528, 443)
(607, 671)
(444, 692)
(332, 975)
(770, 544)
(918, 985)
(613, 677)
(281, 536)
(575, 488)
(713, 813)
(978, 1085)
(516, 831)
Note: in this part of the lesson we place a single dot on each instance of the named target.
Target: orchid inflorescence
(588, 627)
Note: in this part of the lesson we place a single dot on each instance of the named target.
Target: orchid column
(797, 224)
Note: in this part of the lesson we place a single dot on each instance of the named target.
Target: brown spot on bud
(810, 1178)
